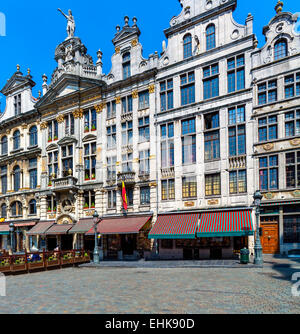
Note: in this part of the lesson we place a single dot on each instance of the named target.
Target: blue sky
(35, 28)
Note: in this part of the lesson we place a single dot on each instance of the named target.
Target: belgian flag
(124, 196)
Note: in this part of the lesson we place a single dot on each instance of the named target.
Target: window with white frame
(111, 136)
(144, 162)
(67, 160)
(111, 199)
(90, 120)
(69, 125)
(111, 109)
(292, 85)
(127, 104)
(111, 168)
(166, 95)
(89, 199)
(90, 153)
(127, 132)
(167, 145)
(144, 99)
(144, 129)
(127, 162)
(267, 92)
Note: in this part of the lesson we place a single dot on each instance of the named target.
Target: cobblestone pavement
(153, 290)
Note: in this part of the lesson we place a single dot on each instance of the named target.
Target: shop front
(4, 236)
(207, 235)
(37, 235)
(58, 236)
(124, 237)
(80, 240)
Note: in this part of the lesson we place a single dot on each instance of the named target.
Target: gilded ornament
(44, 125)
(295, 142)
(134, 42)
(117, 50)
(60, 119)
(268, 147)
(151, 89)
(78, 113)
(135, 94)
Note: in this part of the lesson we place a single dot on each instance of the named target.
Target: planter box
(19, 267)
(5, 269)
(35, 265)
(53, 263)
(67, 261)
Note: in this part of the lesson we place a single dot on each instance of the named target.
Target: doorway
(66, 242)
(51, 243)
(270, 235)
(128, 244)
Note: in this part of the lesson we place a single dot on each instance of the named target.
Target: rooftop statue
(71, 23)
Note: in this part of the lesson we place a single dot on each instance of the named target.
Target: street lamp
(258, 259)
(96, 250)
(11, 231)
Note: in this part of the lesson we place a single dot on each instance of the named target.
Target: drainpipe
(156, 143)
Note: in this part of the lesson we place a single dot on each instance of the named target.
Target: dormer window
(280, 49)
(17, 104)
(187, 46)
(126, 65)
(210, 37)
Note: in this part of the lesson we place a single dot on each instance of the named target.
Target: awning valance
(83, 226)
(227, 223)
(41, 228)
(123, 225)
(59, 229)
(178, 226)
(4, 229)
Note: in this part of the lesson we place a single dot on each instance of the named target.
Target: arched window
(16, 209)
(126, 65)
(187, 46)
(33, 140)
(17, 178)
(16, 139)
(4, 146)
(3, 211)
(32, 207)
(280, 49)
(210, 37)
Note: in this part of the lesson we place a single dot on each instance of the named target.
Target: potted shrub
(93, 206)
(49, 139)
(86, 129)
(49, 209)
(86, 206)
(55, 138)
(93, 176)
(94, 127)
(87, 178)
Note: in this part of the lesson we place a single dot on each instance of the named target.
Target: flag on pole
(124, 196)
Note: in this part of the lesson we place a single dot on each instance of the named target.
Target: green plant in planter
(93, 176)
(49, 139)
(93, 205)
(49, 209)
(86, 129)
(93, 128)
(86, 255)
(55, 138)
(86, 206)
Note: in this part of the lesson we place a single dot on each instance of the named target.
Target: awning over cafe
(4, 229)
(176, 226)
(83, 226)
(24, 224)
(123, 225)
(41, 228)
(59, 229)
(225, 224)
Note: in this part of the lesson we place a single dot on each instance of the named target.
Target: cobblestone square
(153, 290)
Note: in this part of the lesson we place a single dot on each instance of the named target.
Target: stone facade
(180, 128)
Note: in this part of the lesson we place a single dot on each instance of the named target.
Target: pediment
(15, 81)
(52, 147)
(67, 140)
(89, 138)
(126, 33)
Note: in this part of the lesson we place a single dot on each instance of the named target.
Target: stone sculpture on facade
(71, 23)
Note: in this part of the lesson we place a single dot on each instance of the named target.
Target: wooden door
(270, 237)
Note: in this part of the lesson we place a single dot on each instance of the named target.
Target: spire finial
(134, 20)
(28, 71)
(279, 6)
(126, 20)
(18, 68)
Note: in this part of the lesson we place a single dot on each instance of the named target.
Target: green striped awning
(225, 224)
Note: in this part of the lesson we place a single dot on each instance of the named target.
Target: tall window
(51, 203)
(166, 95)
(3, 211)
(4, 146)
(144, 129)
(129, 193)
(111, 136)
(187, 87)
(32, 207)
(67, 160)
(167, 145)
(211, 81)
(213, 185)
(291, 229)
(127, 104)
(293, 169)
(3, 180)
(16, 209)
(212, 137)
(268, 173)
(189, 187)
(17, 178)
(111, 109)
(144, 161)
(17, 104)
(90, 151)
(236, 73)
(188, 138)
(210, 37)
(267, 128)
(16, 139)
(53, 163)
(292, 85)
(267, 92)
(145, 195)
(52, 130)
(111, 168)
(187, 46)
(127, 133)
(90, 120)
(69, 125)
(33, 133)
(237, 131)
(127, 162)
(33, 173)
(111, 199)
(292, 123)
(89, 199)
(238, 182)
(126, 66)
(168, 189)
(280, 49)
(144, 100)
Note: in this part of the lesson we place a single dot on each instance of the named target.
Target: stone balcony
(126, 177)
(167, 172)
(64, 184)
(237, 162)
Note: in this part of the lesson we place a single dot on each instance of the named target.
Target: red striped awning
(228, 223)
(178, 226)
